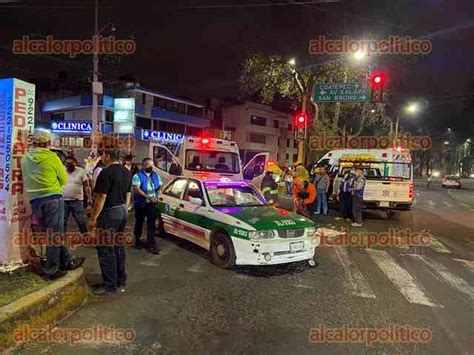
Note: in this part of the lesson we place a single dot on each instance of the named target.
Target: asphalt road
(179, 303)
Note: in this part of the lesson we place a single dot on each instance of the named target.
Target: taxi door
(254, 171)
(169, 203)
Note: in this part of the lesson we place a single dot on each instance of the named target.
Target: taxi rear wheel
(222, 251)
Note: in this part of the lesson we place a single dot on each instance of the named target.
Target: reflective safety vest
(269, 189)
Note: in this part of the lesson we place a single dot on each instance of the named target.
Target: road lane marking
(448, 204)
(443, 274)
(437, 246)
(154, 260)
(464, 204)
(357, 283)
(431, 203)
(402, 280)
(196, 267)
(468, 264)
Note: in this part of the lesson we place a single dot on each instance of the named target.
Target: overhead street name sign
(342, 92)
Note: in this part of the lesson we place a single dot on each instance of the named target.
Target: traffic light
(377, 82)
(301, 121)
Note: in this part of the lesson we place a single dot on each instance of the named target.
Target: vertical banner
(17, 117)
(124, 115)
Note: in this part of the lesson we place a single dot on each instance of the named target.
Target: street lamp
(446, 142)
(411, 109)
(359, 56)
(292, 62)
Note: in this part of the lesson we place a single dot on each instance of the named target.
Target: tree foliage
(271, 75)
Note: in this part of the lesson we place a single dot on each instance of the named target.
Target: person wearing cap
(44, 177)
(269, 185)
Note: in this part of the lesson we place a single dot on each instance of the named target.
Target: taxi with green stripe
(233, 222)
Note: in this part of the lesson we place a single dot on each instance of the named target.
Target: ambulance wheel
(222, 251)
(311, 262)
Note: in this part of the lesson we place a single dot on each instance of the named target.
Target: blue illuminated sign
(71, 127)
(161, 136)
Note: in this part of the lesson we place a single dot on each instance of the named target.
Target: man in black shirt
(110, 216)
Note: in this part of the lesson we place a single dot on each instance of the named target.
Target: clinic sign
(71, 127)
(124, 115)
(159, 136)
(17, 117)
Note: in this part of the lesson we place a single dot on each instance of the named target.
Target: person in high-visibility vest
(269, 185)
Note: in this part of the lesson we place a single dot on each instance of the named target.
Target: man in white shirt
(73, 193)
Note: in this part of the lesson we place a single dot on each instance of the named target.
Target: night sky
(197, 52)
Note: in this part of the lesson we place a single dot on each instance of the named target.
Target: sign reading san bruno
(71, 127)
(341, 92)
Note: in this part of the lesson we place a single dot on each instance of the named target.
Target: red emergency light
(205, 141)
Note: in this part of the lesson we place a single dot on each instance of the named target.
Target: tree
(271, 75)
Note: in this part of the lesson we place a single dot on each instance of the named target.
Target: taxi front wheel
(222, 251)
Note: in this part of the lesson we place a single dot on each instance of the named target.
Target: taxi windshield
(234, 196)
(212, 161)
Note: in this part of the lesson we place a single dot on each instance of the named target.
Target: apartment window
(257, 120)
(195, 111)
(276, 124)
(57, 116)
(257, 138)
(171, 127)
(288, 143)
(287, 157)
(295, 158)
(109, 116)
(159, 102)
(193, 131)
(231, 129)
(143, 122)
(278, 156)
(290, 127)
(295, 144)
(143, 99)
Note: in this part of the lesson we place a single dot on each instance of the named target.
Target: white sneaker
(356, 224)
(337, 218)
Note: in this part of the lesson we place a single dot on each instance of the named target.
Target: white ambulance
(206, 158)
(388, 173)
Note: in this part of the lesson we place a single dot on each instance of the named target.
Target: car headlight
(310, 231)
(261, 234)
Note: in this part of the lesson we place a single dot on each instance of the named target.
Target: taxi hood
(267, 218)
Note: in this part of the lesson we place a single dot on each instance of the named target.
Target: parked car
(451, 181)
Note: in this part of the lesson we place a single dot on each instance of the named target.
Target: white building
(258, 128)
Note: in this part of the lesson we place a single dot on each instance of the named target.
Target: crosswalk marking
(467, 263)
(431, 203)
(443, 274)
(464, 204)
(196, 267)
(153, 261)
(437, 246)
(357, 283)
(448, 204)
(400, 278)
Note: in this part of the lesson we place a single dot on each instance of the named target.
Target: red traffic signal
(300, 120)
(378, 80)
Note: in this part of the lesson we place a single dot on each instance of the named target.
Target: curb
(47, 306)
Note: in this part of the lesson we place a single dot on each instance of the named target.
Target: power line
(223, 6)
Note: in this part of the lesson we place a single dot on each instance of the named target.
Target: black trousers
(345, 205)
(150, 213)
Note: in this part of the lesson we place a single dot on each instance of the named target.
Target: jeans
(345, 205)
(322, 200)
(289, 187)
(111, 254)
(49, 213)
(357, 203)
(151, 213)
(76, 207)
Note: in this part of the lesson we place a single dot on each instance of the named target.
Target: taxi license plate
(384, 204)
(296, 246)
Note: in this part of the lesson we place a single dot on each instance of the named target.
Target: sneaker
(74, 264)
(348, 220)
(121, 289)
(102, 291)
(58, 274)
(154, 250)
(356, 224)
(337, 218)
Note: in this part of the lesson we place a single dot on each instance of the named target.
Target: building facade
(258, 128)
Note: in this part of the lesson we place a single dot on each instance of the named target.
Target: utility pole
(95, 79)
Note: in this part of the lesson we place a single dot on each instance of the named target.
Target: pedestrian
(128, 163)
(109, 217)
(357, 191)
(146, 185)
(322, 186)
(73, 193)
(304, 196)
(44, 177)
(428, 183)
(99, 166)
(345, 199)
(288, 181)
(269, 185)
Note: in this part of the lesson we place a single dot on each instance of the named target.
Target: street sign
(341, 92)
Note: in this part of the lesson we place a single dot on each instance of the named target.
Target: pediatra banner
(17, 117)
